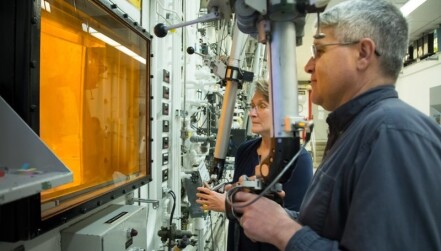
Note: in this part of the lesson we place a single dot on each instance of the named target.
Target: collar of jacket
(342, 117)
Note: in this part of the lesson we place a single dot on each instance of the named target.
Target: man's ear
(366, 52)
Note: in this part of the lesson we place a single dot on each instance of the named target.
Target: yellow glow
(90, 94)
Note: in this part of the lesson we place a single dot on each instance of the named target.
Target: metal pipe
(283, 76)
(229, 100)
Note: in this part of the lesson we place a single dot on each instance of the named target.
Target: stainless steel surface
(26, 163)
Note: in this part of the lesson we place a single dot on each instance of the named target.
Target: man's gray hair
(375, 19)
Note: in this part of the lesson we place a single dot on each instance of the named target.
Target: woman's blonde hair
(262, 88)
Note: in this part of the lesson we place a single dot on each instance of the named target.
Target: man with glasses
(378, 185)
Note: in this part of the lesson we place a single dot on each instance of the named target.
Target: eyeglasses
(258, 108)
(317, 49)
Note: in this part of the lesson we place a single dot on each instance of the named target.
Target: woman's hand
(210, 200)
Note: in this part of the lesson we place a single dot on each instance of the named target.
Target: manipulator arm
(218, 9)
(278, 25)
(251, 15)
(161, 30)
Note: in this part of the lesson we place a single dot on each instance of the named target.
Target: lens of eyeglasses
(313, 51)
(258, 108)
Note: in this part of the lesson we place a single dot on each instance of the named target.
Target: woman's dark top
(295, 187)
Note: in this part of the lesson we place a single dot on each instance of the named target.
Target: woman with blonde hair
(248, 156)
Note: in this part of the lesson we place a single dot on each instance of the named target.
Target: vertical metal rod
(225, 121)
(283, 98)
(283, 76)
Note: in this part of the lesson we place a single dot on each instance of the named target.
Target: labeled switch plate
(164, 159)
(165, 109)
(165, 76)
(165, 143)
(165, 92)
(164, 175)
(165, 126)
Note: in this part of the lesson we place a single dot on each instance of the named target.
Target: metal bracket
(238, 76)
(155, 203)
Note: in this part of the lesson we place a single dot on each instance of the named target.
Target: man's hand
(265, 220)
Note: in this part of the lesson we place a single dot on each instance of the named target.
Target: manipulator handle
(161, 29)
(217, 169)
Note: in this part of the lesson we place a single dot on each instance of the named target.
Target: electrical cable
(174, 205)
(220, 40)
(157, 13)
(234, 190)
(213, 244)
(180, 16)
(171, 217)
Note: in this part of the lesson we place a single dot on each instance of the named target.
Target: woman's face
(260, 115)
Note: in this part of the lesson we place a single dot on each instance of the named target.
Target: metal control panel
(166, 127)
(115, 228)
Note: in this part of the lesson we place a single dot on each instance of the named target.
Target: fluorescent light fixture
(411, 6)
(125, 50)
(140, 59)
(129, 52)
(103, 37)
(111, 42)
